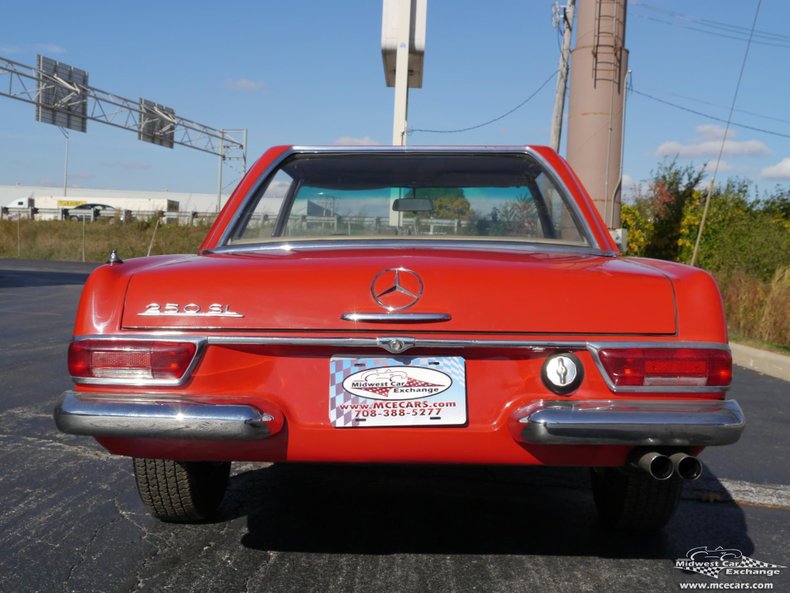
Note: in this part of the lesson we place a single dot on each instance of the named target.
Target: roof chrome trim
(384, 149)
(288, 246)
(398, 344)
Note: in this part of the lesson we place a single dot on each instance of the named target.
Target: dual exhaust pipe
(661, 467)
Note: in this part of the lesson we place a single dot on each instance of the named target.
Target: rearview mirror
(412, 205)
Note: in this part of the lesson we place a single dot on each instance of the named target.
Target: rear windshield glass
(360, 196)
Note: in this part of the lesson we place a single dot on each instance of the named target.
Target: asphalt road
(70, 519)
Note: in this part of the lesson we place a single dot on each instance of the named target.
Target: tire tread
(179, 491)
(632, 500)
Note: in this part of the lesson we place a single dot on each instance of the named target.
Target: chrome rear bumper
(101, 415)
(551, 422)
(635, 422)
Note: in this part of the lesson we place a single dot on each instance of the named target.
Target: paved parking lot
(70, 519)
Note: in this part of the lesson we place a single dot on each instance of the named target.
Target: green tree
(671, 189)
(448, 202)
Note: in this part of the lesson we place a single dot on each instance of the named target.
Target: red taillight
(682, 367)
(132, 360)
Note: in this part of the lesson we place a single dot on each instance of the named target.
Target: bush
(745, 244)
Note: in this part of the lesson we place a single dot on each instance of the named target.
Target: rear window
(371, 196)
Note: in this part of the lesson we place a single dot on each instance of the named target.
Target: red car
(404, 305)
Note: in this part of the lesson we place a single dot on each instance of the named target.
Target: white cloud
(49, 48)
(713, 131)
(780, 170)
(711, 148)
(33, 48)
(131, 166)
(629, 184)
(724, 167)
(352, 141)
(244, 84)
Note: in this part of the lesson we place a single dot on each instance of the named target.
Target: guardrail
(121, 216)
(311, 224)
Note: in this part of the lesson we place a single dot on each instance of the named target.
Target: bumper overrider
(671, 423)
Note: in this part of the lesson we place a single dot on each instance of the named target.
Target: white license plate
(397, 391)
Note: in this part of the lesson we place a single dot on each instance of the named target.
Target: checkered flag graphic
(709, 570)
(747, 562)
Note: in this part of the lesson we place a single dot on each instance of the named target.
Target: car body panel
(270, 317)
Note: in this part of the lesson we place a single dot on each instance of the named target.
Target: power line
(712, 104)
(709, 116)
(491, 121)
(736, 35)
(724, 136)
(719, 24)
(716, 28)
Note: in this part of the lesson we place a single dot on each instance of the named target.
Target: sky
(310, 72)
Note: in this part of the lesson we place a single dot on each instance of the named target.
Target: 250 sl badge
(188, 310)
(397, 383)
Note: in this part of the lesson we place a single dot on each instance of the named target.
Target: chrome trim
(503, 150)
(634, 423)
(412, 342)
(94, 416)
(396, 317)
(594, 349)
(396, 345)
(214, 310)
(287, 246)
(263, 178)
(200, 344)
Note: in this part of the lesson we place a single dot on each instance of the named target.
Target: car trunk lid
(470, 290)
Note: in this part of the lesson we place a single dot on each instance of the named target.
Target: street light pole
(219, 169)
(402, 74)
(66, 164)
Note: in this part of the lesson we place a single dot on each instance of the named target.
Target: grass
(757, 310)
(63, 240)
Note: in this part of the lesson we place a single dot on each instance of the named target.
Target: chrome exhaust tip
(659, 466)
(686, 466)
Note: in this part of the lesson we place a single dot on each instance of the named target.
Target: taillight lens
(682, 367)
(132, 360)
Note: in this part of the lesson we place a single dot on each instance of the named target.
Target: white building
(188, 202)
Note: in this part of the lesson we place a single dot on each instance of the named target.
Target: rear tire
(181, 491)
(633, 500)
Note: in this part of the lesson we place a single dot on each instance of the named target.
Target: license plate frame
(397, 391)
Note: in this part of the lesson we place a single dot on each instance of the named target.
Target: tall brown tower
(599, 63)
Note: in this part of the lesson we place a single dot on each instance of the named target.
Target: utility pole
(567, 16)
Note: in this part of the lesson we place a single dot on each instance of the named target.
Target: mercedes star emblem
(396, 289)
